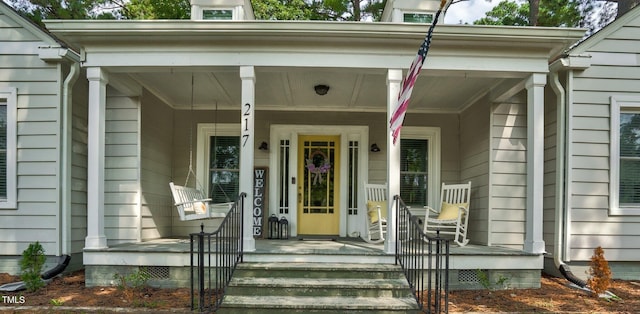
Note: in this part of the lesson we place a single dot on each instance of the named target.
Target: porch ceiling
(280, 88)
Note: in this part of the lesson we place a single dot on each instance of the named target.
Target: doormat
(317, 239)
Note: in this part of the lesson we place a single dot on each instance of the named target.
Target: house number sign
(246, 114)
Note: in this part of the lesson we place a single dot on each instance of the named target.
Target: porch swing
(192, 203)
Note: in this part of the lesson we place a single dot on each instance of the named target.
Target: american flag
(397, 119)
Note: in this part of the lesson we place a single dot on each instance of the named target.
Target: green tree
(588, 14)
(506, 13)
(154, 9)
(38, 10)
(281, 10)
(325, 10)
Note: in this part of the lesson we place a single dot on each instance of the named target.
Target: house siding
(38, 84)
(508, 173)
(122, 180)
(156, 156)
(550, 162)
(474, 166)
(79, 158)
(614, 71)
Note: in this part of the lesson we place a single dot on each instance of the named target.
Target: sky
(468, 11)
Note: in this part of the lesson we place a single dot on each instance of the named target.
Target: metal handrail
(414, 249)
(213, 275)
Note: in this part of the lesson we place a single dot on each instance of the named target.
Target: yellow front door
(318, 185)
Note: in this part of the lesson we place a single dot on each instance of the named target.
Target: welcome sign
(259, 199)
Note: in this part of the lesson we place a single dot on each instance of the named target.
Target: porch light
(273, 226)
(375, 148)
(321, 89)
(264, 146)
(284, 228)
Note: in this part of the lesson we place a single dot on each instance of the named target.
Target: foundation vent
(468, 275)
(156, 272)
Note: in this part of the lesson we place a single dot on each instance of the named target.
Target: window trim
(204, 134)
(11, 96)
(432, 135)
(197, 12)
(433, 16)
(618, 104)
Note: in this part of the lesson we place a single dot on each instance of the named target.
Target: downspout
(66, 151)
(60, 56)
(560, 184)
(65, 148)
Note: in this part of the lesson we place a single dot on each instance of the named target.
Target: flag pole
(397, 118)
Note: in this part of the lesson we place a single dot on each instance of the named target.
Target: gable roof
(606, 31)
(29, 25)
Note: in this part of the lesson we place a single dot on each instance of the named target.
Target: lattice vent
(468, 276)
(156, 272)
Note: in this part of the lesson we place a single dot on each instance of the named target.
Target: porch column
(248, 77)
(394, 78)
(98, 80)
(533, 241)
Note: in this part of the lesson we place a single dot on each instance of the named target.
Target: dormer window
(217, 14)
(414, 17)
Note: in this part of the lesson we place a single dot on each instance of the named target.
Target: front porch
(167, 260)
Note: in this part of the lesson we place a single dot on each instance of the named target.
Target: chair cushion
(450, 211)
(200, 207)
(372, 207)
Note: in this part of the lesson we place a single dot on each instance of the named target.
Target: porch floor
(337, 246)
(174, 253)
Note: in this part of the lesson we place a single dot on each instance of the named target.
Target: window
(426, 18)
(414, 172)
(419, 166)
(217, 14)
(224, 168)
(8, 148)
(625, 156)
(218, 163)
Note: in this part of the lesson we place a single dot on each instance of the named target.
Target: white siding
(38, 98)
(122, 180)
(474, 166)
(615, 71)
(156, 151)
(508, 173)
(550, 144)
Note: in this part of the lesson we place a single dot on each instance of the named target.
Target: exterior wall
(122, 180)
(550, 188)
(38, 85)
(614, 71)
(79, 134)
(155, 168)
(377, 122)
(508, 173)
(474, 164)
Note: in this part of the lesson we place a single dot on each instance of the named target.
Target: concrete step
(318, 270)
(353, 287)
(318, 288)
(279, 304)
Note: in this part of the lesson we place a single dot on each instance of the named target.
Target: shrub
(599, 272)
(33, 260)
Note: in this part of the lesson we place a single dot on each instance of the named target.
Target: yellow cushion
(373, 210)
(450, 211)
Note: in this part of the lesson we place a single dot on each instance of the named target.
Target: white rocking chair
(375, 196)
(192, 204)
(453, 216)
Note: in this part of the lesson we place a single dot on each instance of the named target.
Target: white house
(596, 99)
(156, 97)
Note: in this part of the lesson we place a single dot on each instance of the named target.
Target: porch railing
(214, 257)
(424, 260)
